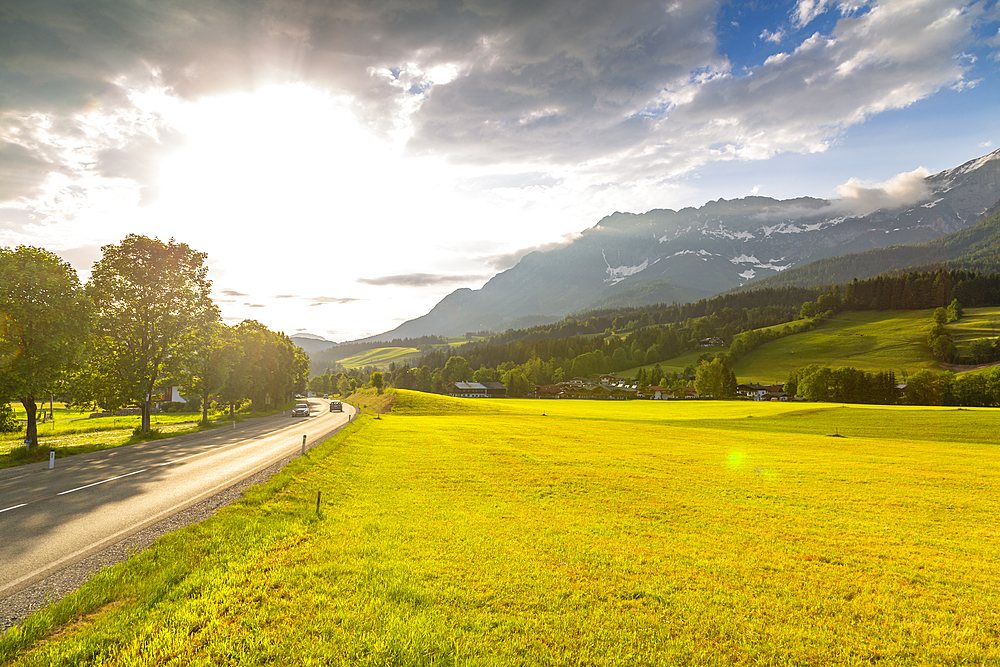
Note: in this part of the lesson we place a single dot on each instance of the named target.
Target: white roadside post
(303, 444)
(52, 459)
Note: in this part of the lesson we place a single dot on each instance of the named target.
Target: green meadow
(519, 532)
(975, 323)
(381, 357)
(866, 340)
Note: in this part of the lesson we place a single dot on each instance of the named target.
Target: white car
(301, 410)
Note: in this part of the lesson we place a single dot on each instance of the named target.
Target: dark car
(336, 406)
(301, 410)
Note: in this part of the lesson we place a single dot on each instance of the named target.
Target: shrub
(8, 422)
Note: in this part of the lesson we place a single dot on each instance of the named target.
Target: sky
(345, 165)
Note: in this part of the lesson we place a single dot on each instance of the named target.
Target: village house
(477, 390)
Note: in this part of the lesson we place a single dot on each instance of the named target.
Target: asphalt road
(50, 519)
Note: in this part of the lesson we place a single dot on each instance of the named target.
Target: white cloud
(807, 10)
(900, 190)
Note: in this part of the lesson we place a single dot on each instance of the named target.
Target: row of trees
(850, 385)
(144, 320)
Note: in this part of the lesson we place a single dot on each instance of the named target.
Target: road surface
(50, 519)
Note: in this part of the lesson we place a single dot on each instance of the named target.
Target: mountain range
(666, 256)
(311, 343)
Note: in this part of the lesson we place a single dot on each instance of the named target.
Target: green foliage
(45, 325)
(153, 309)
(271, 369)
(212, 365)
(926, 388)
(954, 311)
(517, 384)
(844, 385)
(714, 378)
(377, 381)
(8, 419)
(456, 369)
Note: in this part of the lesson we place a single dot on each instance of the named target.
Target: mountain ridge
(664, 255)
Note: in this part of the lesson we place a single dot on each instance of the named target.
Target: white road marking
(63, 493)
(13, 507)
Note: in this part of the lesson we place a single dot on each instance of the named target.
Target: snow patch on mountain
(773, 266)
(748, 274)
(620, 273)
(722, 233)
(744, 259)
(677, 233)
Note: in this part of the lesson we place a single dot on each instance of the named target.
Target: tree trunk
(31, 433)
(147, 410)
(204, 408)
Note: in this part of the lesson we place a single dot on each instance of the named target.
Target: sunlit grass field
(519, 532)
(976, 323)
(868, 340)
(381, 357)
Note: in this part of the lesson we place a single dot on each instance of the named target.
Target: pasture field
(381, 357)
(976, 323)
(867, 340)
(527, 532)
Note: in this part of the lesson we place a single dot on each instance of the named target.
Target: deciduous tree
(153, 307)
(45, 324)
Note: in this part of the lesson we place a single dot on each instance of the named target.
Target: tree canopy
(153, 309)
(45, 325)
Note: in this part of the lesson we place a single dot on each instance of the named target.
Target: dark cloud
(255, 305)
(286, 296)
(232, 292)
(21, 171)
(417, 280)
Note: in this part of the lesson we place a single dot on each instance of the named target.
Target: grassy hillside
(482, 532)
(869, 340)
(381, 357)
(975, 324)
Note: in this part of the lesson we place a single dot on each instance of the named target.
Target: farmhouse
(477, 390)
(656, 393)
